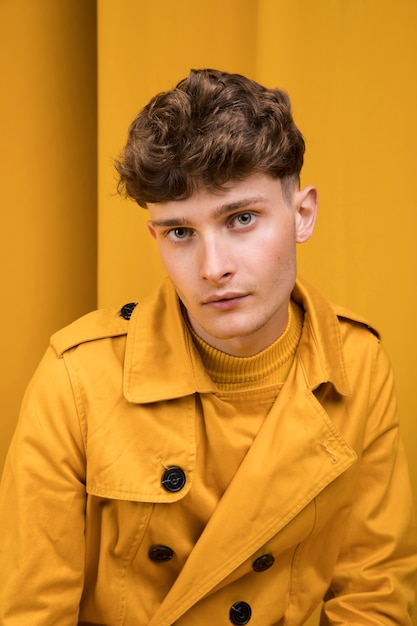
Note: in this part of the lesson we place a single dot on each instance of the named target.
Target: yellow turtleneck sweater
(247, 388)
(267, 368)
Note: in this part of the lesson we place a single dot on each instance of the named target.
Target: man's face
(231, 257)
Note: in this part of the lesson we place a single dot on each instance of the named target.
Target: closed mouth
(224, 299)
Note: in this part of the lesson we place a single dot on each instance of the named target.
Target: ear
(306, 204)
(151, 229)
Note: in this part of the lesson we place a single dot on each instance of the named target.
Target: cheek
(176, 267)
(278, 252)
(166, 257)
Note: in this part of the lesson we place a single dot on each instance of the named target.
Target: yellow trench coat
(319, 508)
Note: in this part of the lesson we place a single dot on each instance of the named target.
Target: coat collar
(320, 348)
(162, 362)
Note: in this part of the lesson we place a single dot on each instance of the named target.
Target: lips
(224, 301)
(224, 297)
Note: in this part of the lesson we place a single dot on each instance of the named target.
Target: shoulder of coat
(346, 315)
(101, 324)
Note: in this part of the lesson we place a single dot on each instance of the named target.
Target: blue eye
(180, 232)
(244, 218)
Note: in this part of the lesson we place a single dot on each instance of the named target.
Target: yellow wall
(48, 182)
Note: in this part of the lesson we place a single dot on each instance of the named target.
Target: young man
(227, 450)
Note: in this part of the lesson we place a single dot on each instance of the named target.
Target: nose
(216, 264)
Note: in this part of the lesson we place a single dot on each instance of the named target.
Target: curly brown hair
(214, 127)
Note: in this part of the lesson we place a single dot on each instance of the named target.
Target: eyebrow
(223, 209)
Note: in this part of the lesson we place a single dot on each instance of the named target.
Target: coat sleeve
(42, 504)
(374, 580)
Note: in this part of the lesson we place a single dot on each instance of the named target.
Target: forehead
(256, 190)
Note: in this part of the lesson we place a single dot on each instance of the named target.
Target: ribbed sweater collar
(268, 367)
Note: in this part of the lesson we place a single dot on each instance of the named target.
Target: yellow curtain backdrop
(349, 66)
(48, 178)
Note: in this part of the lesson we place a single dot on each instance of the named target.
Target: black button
(173, 479)
(127, 310)
(263, 562)
(161, 554)
(240, 613)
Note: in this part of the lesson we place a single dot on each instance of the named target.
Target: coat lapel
(296, 454)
